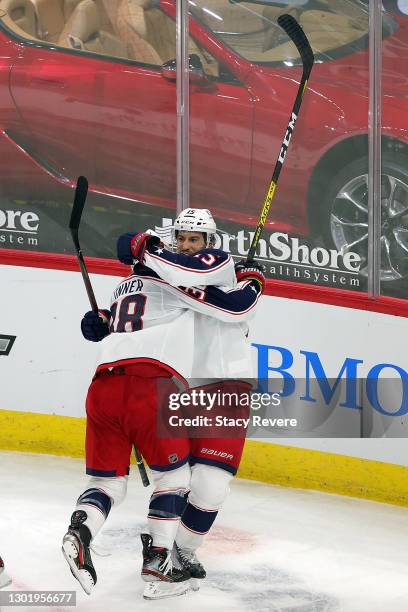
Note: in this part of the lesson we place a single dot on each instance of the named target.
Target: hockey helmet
(196, 220)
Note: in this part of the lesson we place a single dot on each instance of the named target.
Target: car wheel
(344, 214)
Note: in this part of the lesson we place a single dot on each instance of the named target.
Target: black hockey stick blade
(81, 192)
(299, 39)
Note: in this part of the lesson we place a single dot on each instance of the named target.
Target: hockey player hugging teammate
(179, 315)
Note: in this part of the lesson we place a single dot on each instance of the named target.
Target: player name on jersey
(128, 286)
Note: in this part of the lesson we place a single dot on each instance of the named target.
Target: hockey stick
(298, 37)
(142, 469)
(81, 192)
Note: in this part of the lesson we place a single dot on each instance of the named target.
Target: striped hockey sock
(97, 505)
(165, 509)
(195, 524)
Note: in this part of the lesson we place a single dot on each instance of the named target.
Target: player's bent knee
(179, 478)
(209, 486)
(115, 487)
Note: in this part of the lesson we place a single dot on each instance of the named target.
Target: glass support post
(183, 91)
(374, 149)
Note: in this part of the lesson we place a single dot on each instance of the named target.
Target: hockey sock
(165, 509)
(97, 505)
(195, 524)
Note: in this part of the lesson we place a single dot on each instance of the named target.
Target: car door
(111, 120)
(115, 121)
(221, 119)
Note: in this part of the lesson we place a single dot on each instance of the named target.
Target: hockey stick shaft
(81, 192)
(298, 37)
(142, 469)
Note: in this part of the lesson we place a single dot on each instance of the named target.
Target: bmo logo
(18, 228)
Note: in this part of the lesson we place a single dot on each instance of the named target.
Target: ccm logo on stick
(288, 136)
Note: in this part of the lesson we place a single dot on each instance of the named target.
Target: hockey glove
(95, 325)
(253, 271)
(132, 246)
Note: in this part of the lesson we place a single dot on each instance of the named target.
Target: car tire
(343, 214)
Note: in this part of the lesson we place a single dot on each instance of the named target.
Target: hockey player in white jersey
(195, 297)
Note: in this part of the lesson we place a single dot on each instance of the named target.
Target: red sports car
(88, 87)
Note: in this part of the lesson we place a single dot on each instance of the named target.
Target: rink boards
(45, 376)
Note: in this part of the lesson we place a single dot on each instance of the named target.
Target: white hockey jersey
(194, 332)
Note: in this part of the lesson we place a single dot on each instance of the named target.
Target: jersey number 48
(127, 313)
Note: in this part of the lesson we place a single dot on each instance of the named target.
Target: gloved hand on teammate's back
(132, 246)
(95, 325)
(251, 270)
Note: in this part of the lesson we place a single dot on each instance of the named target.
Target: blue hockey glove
(132, 246)
(95, 325)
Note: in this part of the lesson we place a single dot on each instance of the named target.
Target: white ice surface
(271, 548)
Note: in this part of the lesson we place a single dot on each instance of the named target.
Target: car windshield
(333, 27)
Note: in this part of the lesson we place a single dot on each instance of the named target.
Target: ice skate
(188, 560)
(5, 579)
(163, 578)
(75, 548)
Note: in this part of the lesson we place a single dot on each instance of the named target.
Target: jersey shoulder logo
(207, 258)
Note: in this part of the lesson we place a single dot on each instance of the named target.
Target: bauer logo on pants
(6, 343)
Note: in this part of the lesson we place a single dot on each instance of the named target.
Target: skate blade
(160, 589)
(83, 576)
(5, 580)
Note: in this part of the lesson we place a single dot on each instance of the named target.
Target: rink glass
(393, 201)
(102, 102)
